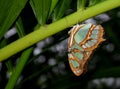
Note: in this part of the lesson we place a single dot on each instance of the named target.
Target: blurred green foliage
(47, 66)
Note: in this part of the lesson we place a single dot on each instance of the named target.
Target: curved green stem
(22, 61)
(55, 27)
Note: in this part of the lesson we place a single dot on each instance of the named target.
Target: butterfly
(81, 44)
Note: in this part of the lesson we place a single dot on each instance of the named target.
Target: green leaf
(22, 61)
(19, 26)
(15, 75)
(12, 12)
(93, 2)
(4, 5)
(61, 8)
(3, 43)
(53, 4)
(41, 9)
(9, 66)
(81, 4)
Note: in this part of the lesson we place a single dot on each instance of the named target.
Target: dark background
(48, 68)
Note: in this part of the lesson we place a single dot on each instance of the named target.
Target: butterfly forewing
(82, 41)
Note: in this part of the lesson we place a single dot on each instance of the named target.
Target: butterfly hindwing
(82, 41)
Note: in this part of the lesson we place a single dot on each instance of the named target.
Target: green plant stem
(23, 58)
(55, 27)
